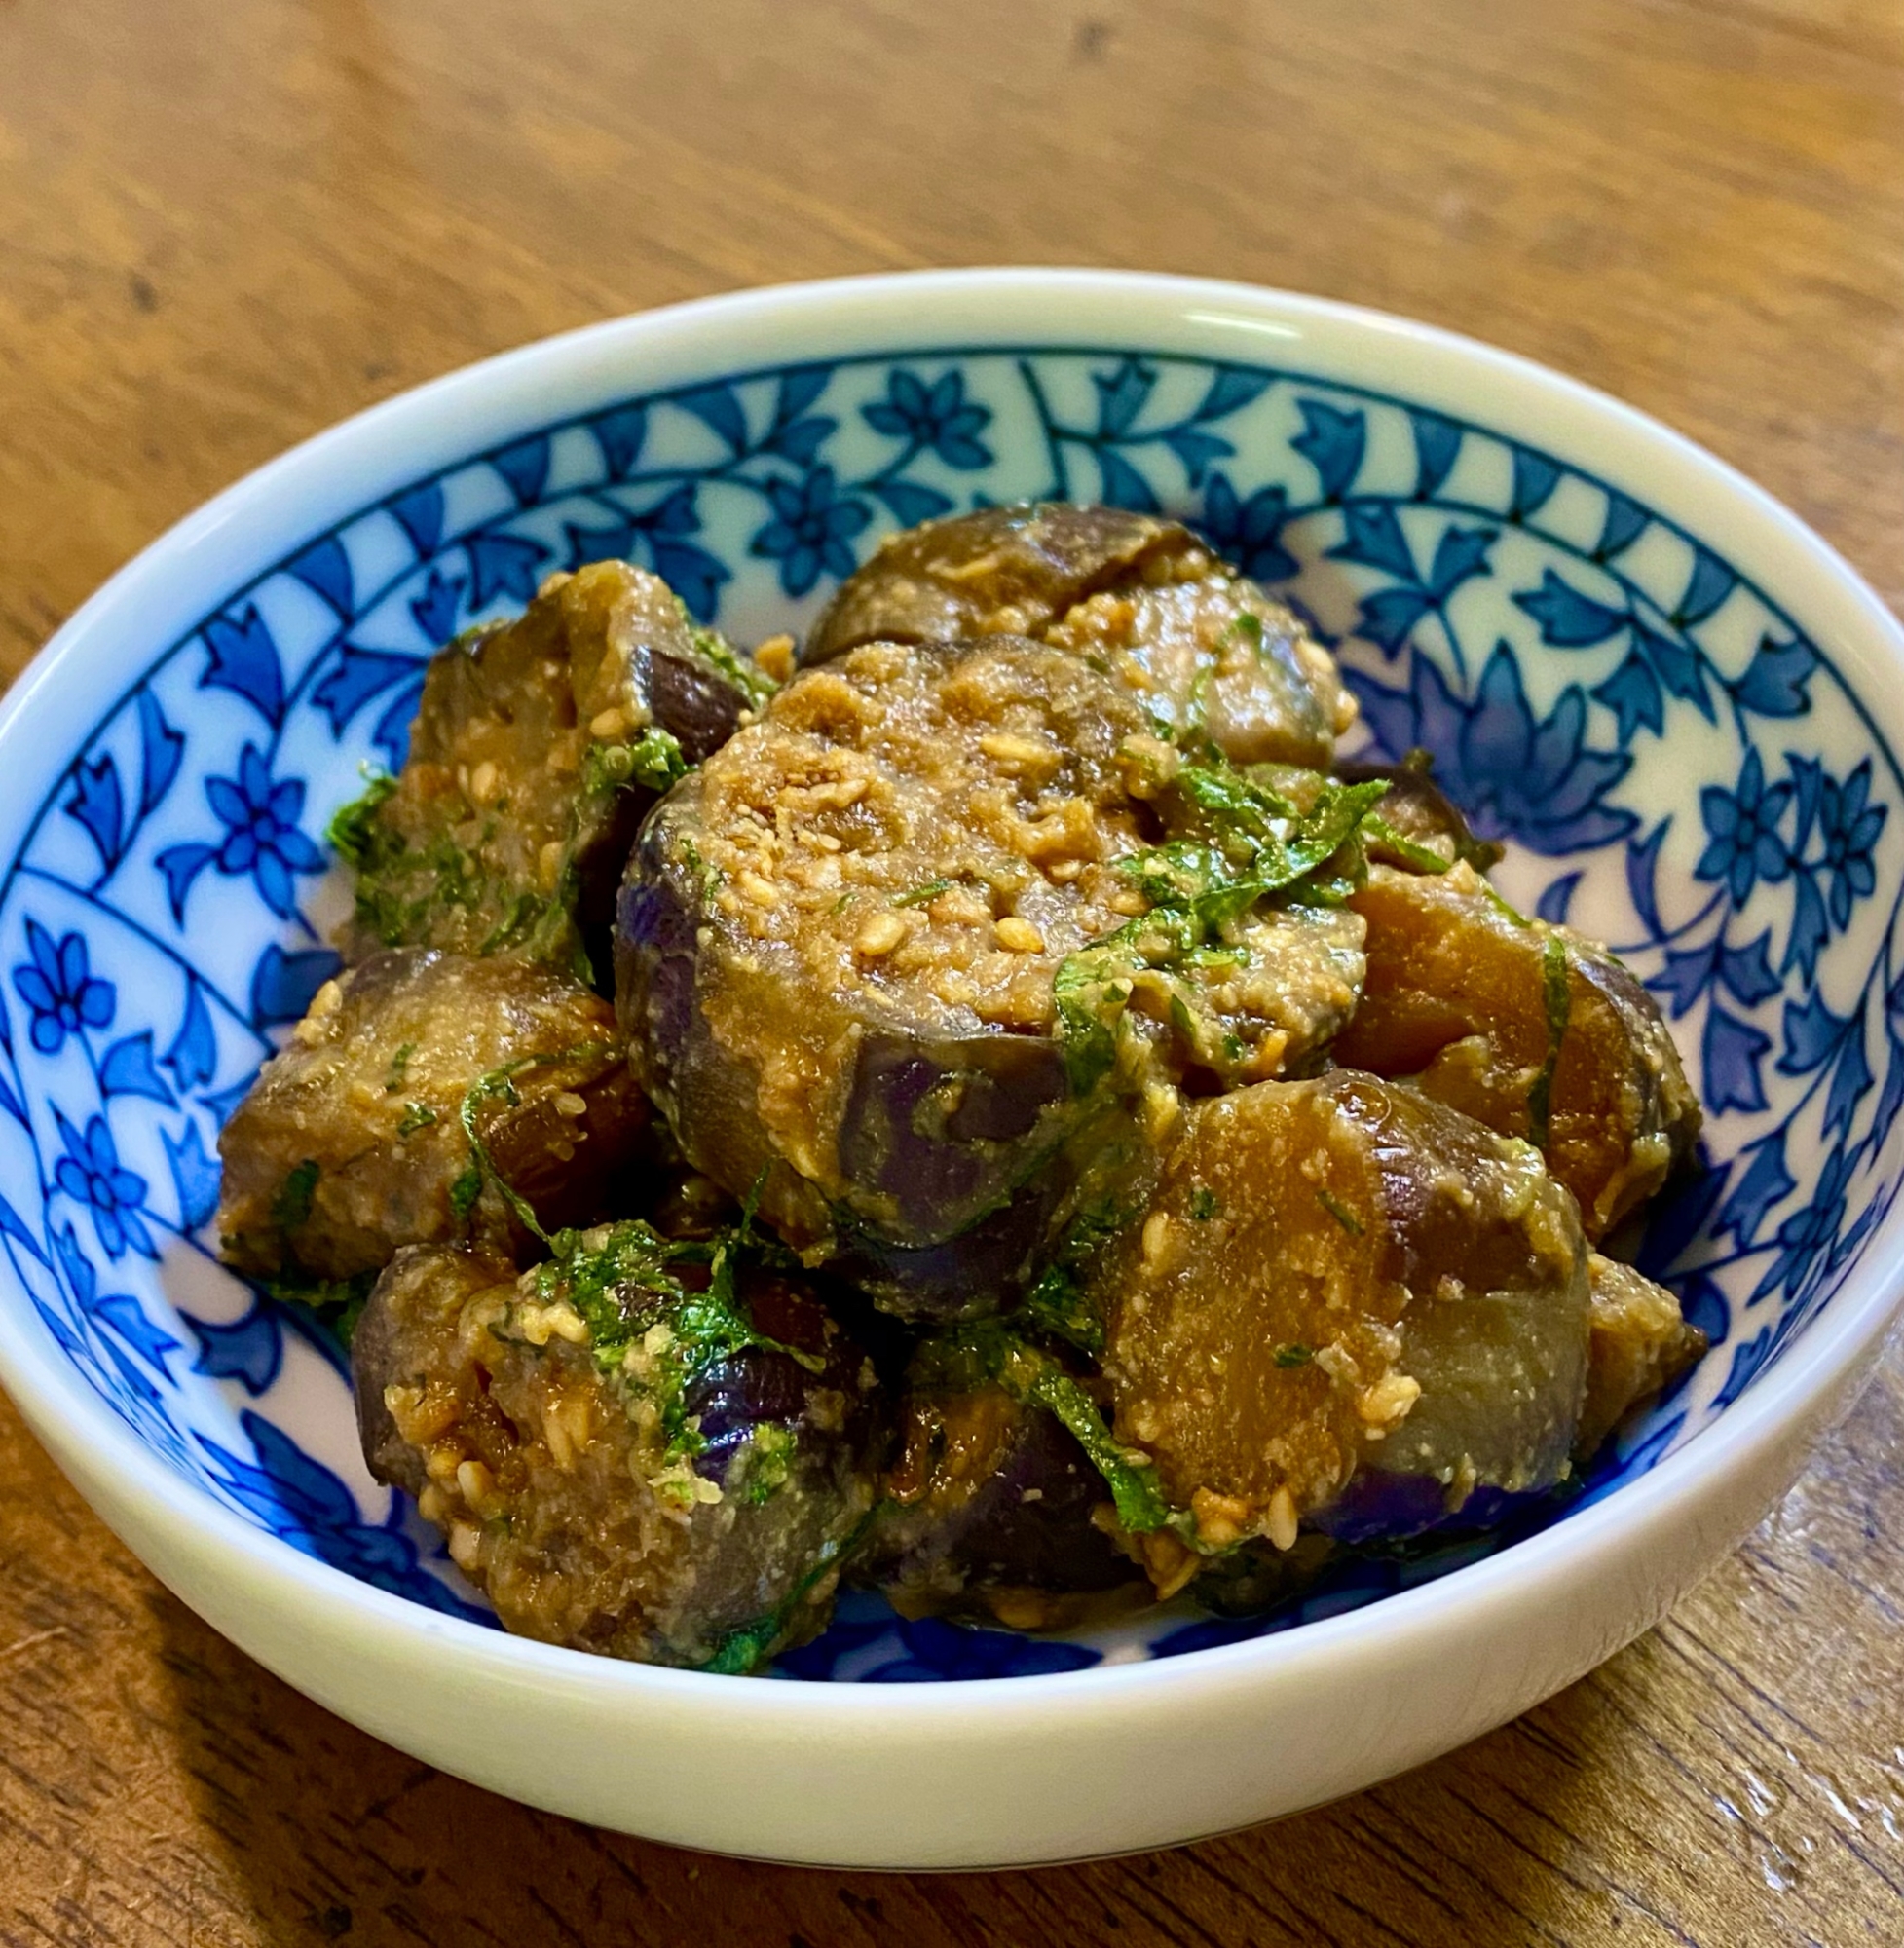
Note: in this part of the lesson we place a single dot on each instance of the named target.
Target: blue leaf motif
(325, 570)
(1249, 533)
(357, 677)
(912, 503)
(1332, 442)
(1890, 1097)
(195, 1175)
(503, 564)
(1810, 929)
(440, 605)
(717, 409)
(392, 733)
(1197, 451)
(1808, 788)
(1460, 555)
(1774, 681)
(1685, 976)
(1850, 1080)
(1567, 618)
(146, 1340)
(1123, 485)
(525, 467)
(1710, 583)
(1121, 397)
(161, 748)
(1632, 694)
(1626, 521)
(1747, 972)
(283, 984)
(1388, 616)
(419, 515)
(1230, 391)
(1675, 666)
(182, 865)
(1557, 898)
(127, 1070)
(1373, 538)
(798, 390)
(1731, 1052)
(1812, 1034)
(241, 657)
(13, 1226)
(97, 806)
(800, 440)
(1642, 867)
(1534, 477)
(621, 435)
(1438, 446)
(250, 1350)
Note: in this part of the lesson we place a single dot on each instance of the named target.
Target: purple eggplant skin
(990, 1514)
(1421, 812)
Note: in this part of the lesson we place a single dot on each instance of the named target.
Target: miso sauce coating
(536, 748)
(1203, 651)
(1529, 1028)
(351, 1142)
(597, 1504)
(1336, 1282)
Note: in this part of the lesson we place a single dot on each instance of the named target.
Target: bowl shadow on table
(315, 1831)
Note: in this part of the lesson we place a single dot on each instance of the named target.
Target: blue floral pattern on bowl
(1545, 634)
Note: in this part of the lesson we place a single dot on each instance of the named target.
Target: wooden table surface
(225, 223)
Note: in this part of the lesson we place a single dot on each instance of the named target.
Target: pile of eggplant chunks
(986, 1107)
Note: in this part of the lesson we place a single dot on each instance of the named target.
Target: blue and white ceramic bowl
(1676, 704)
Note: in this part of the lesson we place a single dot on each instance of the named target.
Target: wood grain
(224, 223)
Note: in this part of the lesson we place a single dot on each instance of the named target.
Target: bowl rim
(469, 410)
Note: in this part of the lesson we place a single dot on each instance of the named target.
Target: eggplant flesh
(600, 1504)
(351, 1144)
(536, 748)
(1211, 655)
(1347, 1307)
(1530, 1028)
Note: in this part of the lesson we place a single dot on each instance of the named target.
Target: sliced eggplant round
(1208, 653)
(1641, 1345)
(1527, 1028)
(352, 1143)
(537, 746)
(881, 957)
(1348, 1307)
(623, 1463)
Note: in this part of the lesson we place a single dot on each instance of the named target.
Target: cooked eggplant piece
(1205, 651)
(352, 1142)
(539, 745)
(644, 1448)
(1527, 1028)
(1417, 817)
(991, 1513)
(852, 960)
(1349, 1307)
(1641, 1345)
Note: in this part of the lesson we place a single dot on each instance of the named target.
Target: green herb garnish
(1203, 1203)
(1294, 1355)
(290, 1208)
(1340, 1211)
(920, 895)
